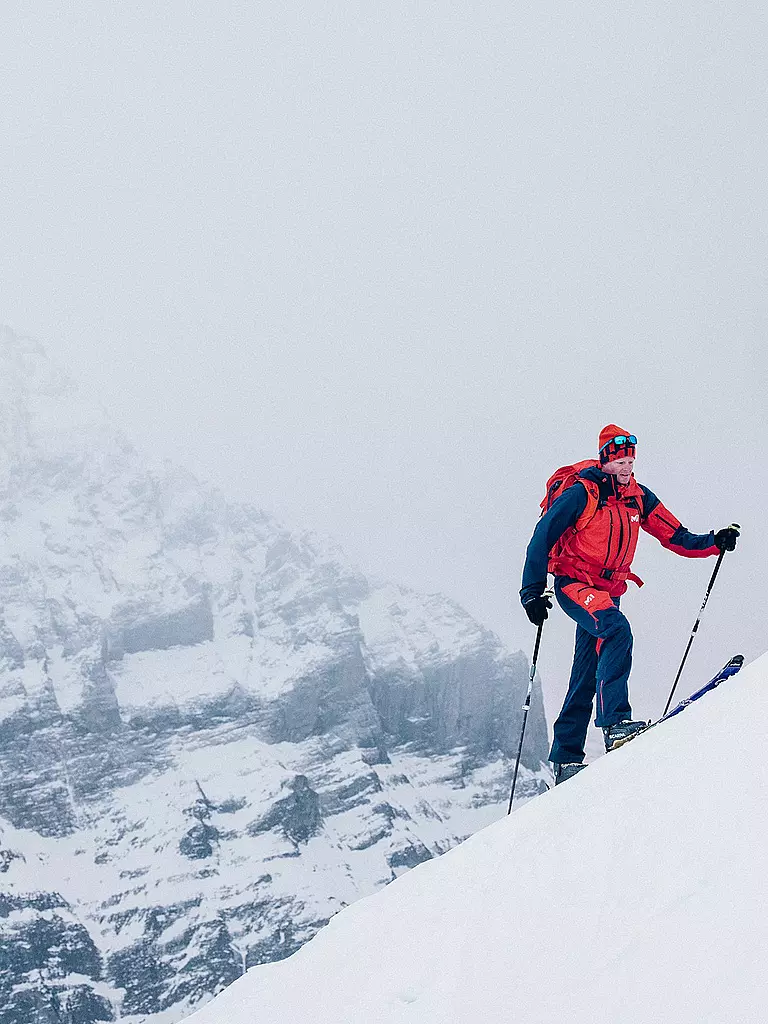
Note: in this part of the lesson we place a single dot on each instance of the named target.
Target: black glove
(536, 609)
(725, 539)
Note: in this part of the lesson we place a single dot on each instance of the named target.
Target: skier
(587, 540)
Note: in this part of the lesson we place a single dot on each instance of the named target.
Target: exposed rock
(409, 856)
(42, 948)
(190, 625)
(298, 815)
(197, 844)
(11, 652)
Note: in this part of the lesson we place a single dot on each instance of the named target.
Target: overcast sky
(380, 268)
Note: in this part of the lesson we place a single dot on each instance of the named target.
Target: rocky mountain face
(214, 733)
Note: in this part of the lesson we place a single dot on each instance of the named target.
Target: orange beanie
(609, 449)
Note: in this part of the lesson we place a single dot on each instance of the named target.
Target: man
(587, 540)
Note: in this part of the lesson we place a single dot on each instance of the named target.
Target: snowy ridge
(634, 893)
(409, 629)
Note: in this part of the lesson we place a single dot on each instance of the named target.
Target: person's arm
(669, 531)
(549, 529)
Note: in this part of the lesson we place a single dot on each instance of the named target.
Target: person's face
(621, 469)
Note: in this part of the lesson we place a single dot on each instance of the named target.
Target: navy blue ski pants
(602, 660)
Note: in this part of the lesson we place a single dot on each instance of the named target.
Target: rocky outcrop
(297, 816)
(160, 971)
(50, 968)
(134, 630)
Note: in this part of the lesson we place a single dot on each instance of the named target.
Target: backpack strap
(593, 499)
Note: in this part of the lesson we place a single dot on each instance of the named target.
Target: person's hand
(537, 609)
(725, 539)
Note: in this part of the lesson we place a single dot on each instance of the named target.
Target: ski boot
(566, 771)
(622, 732)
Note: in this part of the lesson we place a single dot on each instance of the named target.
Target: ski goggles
(620, 441)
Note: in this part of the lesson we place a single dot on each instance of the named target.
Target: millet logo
(635, 519)
(589, 600)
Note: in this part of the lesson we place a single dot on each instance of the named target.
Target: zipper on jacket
(621, 536)
(665, 521)
(610, 538)
(625, 552)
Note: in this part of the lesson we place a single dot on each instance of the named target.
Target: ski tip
(737, 659)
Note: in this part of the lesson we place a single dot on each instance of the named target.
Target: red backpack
(565, 477)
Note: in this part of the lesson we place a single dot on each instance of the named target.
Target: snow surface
(635, 893)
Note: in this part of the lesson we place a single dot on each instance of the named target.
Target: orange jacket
(591, 531)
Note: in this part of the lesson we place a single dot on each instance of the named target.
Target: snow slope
(636, 893)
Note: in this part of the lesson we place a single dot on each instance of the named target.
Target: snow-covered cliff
(214, 733)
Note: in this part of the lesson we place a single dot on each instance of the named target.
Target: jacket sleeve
(549, 529)
(668, 530)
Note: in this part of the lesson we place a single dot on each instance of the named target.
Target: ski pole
(527, 705)
(696, 623)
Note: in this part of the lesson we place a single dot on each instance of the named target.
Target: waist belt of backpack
(562, 567)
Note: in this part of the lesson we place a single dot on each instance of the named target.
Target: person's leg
(598, 614)
(614, 662)
(570, 731)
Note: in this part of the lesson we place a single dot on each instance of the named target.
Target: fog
(381, 269)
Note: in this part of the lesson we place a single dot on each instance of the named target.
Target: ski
(725, 672)
(728, 670)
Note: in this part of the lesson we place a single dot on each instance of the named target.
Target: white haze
(381, 268)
